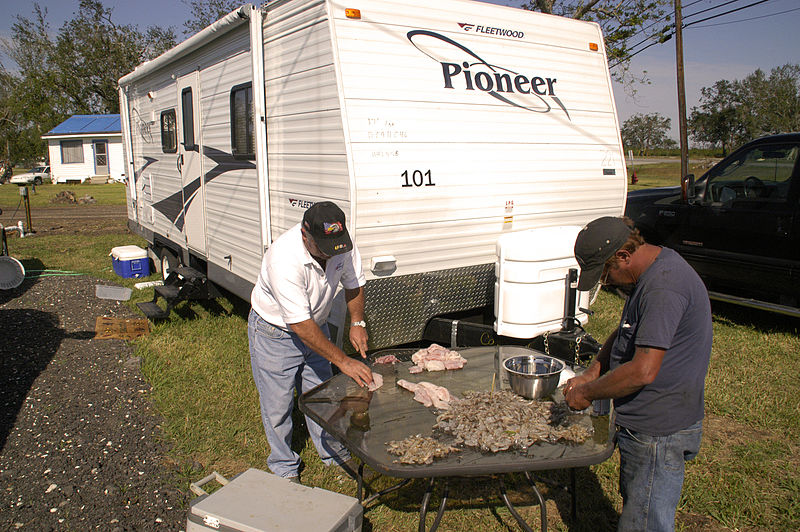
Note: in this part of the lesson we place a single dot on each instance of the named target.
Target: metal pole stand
(23, 191)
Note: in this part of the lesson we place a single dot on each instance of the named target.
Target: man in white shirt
(289, 340)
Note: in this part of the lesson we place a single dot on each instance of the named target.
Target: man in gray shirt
(653, 366)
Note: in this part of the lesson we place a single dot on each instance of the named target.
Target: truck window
(169, 132)
(762, 172)
(242, 138)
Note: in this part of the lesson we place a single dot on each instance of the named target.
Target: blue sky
(721, 48)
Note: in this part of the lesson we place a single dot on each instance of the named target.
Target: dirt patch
(718, 429)
(72, 219)
(80, 442)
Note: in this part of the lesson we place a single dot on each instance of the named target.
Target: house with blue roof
(86, 147)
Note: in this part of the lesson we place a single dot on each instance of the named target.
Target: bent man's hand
(575, 397)
(359, 337)
(356, 370)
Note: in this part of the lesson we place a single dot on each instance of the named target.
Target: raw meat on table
(377, 382)
(387, 359)
(436, 358)
(428, 394)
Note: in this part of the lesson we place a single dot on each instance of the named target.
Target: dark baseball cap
(324, 221)
(596, 243)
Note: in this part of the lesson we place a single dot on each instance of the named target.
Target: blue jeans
(281, 363)
(651, 476)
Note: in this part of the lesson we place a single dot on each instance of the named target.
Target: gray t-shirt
(668, 309)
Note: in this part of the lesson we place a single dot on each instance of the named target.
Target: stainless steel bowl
(533, 376)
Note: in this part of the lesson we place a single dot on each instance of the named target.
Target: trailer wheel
(168, 262)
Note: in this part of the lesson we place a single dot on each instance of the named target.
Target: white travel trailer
(437, 127)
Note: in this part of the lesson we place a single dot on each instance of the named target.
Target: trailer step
(182, 284)
(167, 291)
(189, 273)
(152, 311)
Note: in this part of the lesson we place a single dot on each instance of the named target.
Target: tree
(734, 112)
(75, 72)
(92, 53)
(625, 24)
(645, 132)
(718, 119)
(771, 103)
(205, 12)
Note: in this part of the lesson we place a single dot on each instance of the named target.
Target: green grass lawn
(747, 476)
(664, 174)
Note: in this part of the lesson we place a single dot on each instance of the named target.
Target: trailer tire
(168, 262)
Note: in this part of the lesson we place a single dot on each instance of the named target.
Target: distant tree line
(734, 112)
(730, 113)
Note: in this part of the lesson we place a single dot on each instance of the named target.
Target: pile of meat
(436, 358)
(497, 421)
(428, 394)
(419, 449)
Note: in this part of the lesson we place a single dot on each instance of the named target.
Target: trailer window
(71, 151)
(187, 110)
(169, 132)
(242, 137)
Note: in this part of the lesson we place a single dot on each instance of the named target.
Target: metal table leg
(424, 508)
(365, 502)
(571, 489)
(522, 523)
(572, 492)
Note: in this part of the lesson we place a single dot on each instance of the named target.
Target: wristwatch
(361, 323)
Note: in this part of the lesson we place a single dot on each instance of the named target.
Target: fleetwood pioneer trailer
(465, 142)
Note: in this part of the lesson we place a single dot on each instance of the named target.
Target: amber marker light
(352, 13)
(593, 46)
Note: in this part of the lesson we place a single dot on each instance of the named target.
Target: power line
(725, 13)
(687, 25)
(646, 39)
(748, 19)
(663, 18)
(711, 8)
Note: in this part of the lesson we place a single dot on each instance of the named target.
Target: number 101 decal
(417, 178)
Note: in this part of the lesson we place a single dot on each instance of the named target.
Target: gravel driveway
(80, 444)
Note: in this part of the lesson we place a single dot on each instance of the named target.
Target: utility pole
(681, 91)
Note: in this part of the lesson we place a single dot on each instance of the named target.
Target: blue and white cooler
(130, 261)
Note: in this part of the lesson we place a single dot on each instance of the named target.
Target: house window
(242, 137)
(71, 151)
(169, 132)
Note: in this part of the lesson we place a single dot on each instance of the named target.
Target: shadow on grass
(212, 307)
(594, 511)
(759, 320)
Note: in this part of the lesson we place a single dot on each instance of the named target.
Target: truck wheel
(37, 180)
(168, 262)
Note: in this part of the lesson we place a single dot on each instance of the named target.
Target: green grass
(75, 253)
(105, 194)
(664, 174)
(747, 476)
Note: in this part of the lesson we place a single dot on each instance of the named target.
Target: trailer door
(190, 163)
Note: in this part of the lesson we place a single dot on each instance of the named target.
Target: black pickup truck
(738, 225)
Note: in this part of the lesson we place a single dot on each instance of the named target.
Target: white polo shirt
(292, 287)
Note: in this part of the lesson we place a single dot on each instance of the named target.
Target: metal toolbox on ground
(257, 501)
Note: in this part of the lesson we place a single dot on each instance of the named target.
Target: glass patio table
(365, 421)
